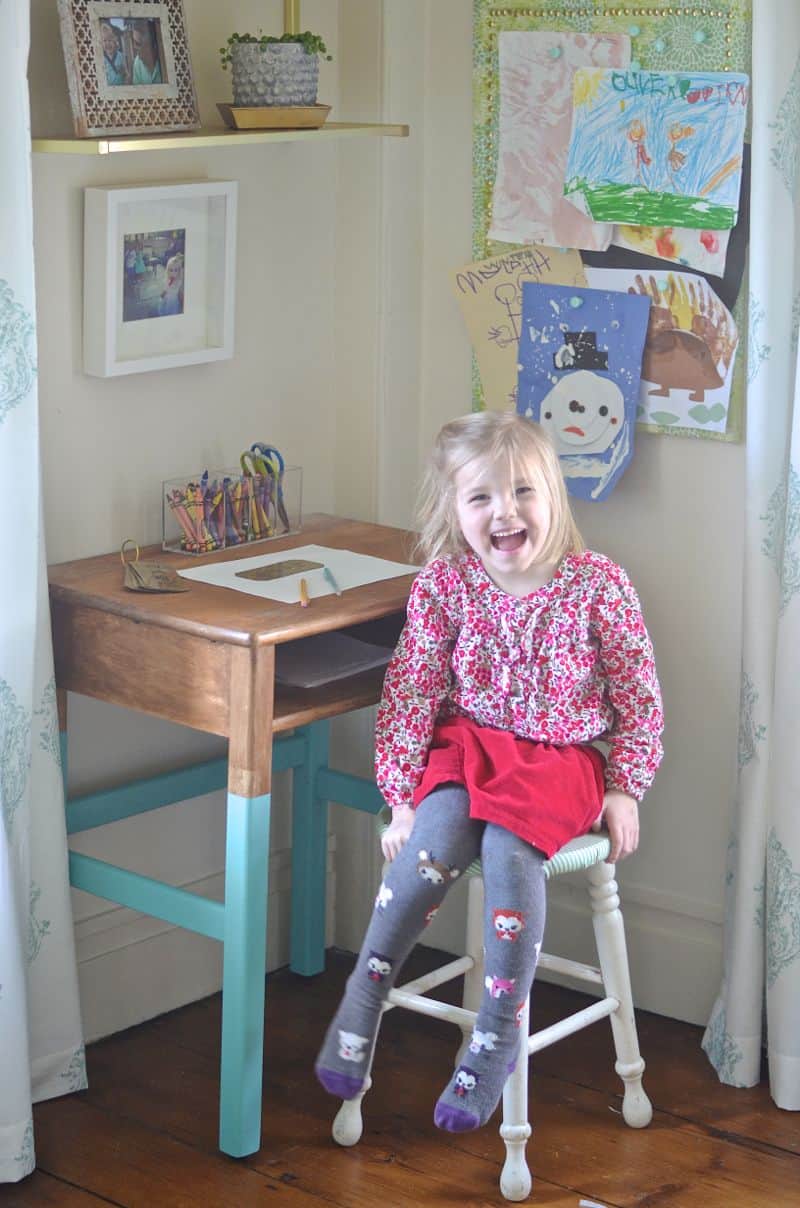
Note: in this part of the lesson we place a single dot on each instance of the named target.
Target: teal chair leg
(244, 972)
(309, 856)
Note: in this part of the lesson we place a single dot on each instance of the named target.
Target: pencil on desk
(303, 594)
(331, 579)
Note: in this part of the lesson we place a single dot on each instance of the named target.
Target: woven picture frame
(128, 66)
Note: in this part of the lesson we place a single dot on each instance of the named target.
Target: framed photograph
(158, 276)
(128, 66)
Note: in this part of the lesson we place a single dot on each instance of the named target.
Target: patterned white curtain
(760, 994)
(41, 1049)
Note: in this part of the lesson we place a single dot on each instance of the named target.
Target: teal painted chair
(587, 853)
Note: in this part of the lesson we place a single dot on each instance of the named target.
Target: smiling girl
(520, 649)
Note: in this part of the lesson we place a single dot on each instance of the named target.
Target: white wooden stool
(587, 852)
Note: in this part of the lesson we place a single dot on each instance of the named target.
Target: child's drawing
(691, 247)
(535, 86)
(636, 134)
(675, 157)
(580, 358)
(657, 149)
(489, 293)
(689, 352)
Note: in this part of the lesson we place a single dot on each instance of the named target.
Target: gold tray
(274, 117)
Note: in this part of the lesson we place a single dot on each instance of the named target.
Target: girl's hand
(398, 831)
(621, 816)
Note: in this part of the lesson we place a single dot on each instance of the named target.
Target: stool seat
(575, 856)
(586, 853)
(578, 855)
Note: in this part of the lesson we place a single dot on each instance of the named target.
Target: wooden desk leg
(309, 856)
(246, 886)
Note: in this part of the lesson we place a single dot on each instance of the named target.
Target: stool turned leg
(473, 979)
(515, 1178)
(348, 1124)
(609, 933)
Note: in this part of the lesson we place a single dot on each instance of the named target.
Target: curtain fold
(760, 993)
(41, 1047)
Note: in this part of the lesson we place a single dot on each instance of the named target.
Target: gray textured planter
(280, 73)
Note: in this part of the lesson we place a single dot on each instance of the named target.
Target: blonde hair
(177, 261)
(489, 436)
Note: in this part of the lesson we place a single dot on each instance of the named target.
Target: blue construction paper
(580, 360)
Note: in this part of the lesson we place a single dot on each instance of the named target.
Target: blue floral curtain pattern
(760, 993)
(41, 1047)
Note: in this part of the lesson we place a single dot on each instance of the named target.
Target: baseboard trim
(132, 968)
(675, 958)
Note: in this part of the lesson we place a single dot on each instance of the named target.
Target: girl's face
(143, 45)
(505, 520)
(109, 39)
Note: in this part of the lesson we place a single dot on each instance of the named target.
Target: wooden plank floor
(145, 1133)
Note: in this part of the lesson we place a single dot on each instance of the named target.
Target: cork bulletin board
(663, 39)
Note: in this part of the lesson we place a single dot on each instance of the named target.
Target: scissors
(273, 464)
(257, 483)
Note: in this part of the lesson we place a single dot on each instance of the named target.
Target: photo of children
(153, 264)
(113, 56)
(131, 50)
(146, 60)
(171, 301)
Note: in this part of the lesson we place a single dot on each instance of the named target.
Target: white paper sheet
(348, 568)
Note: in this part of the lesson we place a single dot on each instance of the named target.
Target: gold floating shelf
(212, 137)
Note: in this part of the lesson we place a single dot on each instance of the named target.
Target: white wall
(107, 445)
(675, 522)
(350, 353)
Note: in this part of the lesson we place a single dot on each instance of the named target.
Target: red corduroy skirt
(545, 794)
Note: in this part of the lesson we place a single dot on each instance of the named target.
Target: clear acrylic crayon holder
(216, 509)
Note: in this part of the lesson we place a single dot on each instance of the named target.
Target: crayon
(330, 578)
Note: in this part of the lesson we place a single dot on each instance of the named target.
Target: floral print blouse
(570, 663)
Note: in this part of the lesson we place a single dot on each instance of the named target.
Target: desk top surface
(224, 615)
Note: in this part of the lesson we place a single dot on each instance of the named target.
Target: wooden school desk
(206, 658)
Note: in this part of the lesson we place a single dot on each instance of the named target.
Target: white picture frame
(159, 276)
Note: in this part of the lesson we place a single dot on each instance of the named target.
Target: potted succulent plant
(268, 70)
